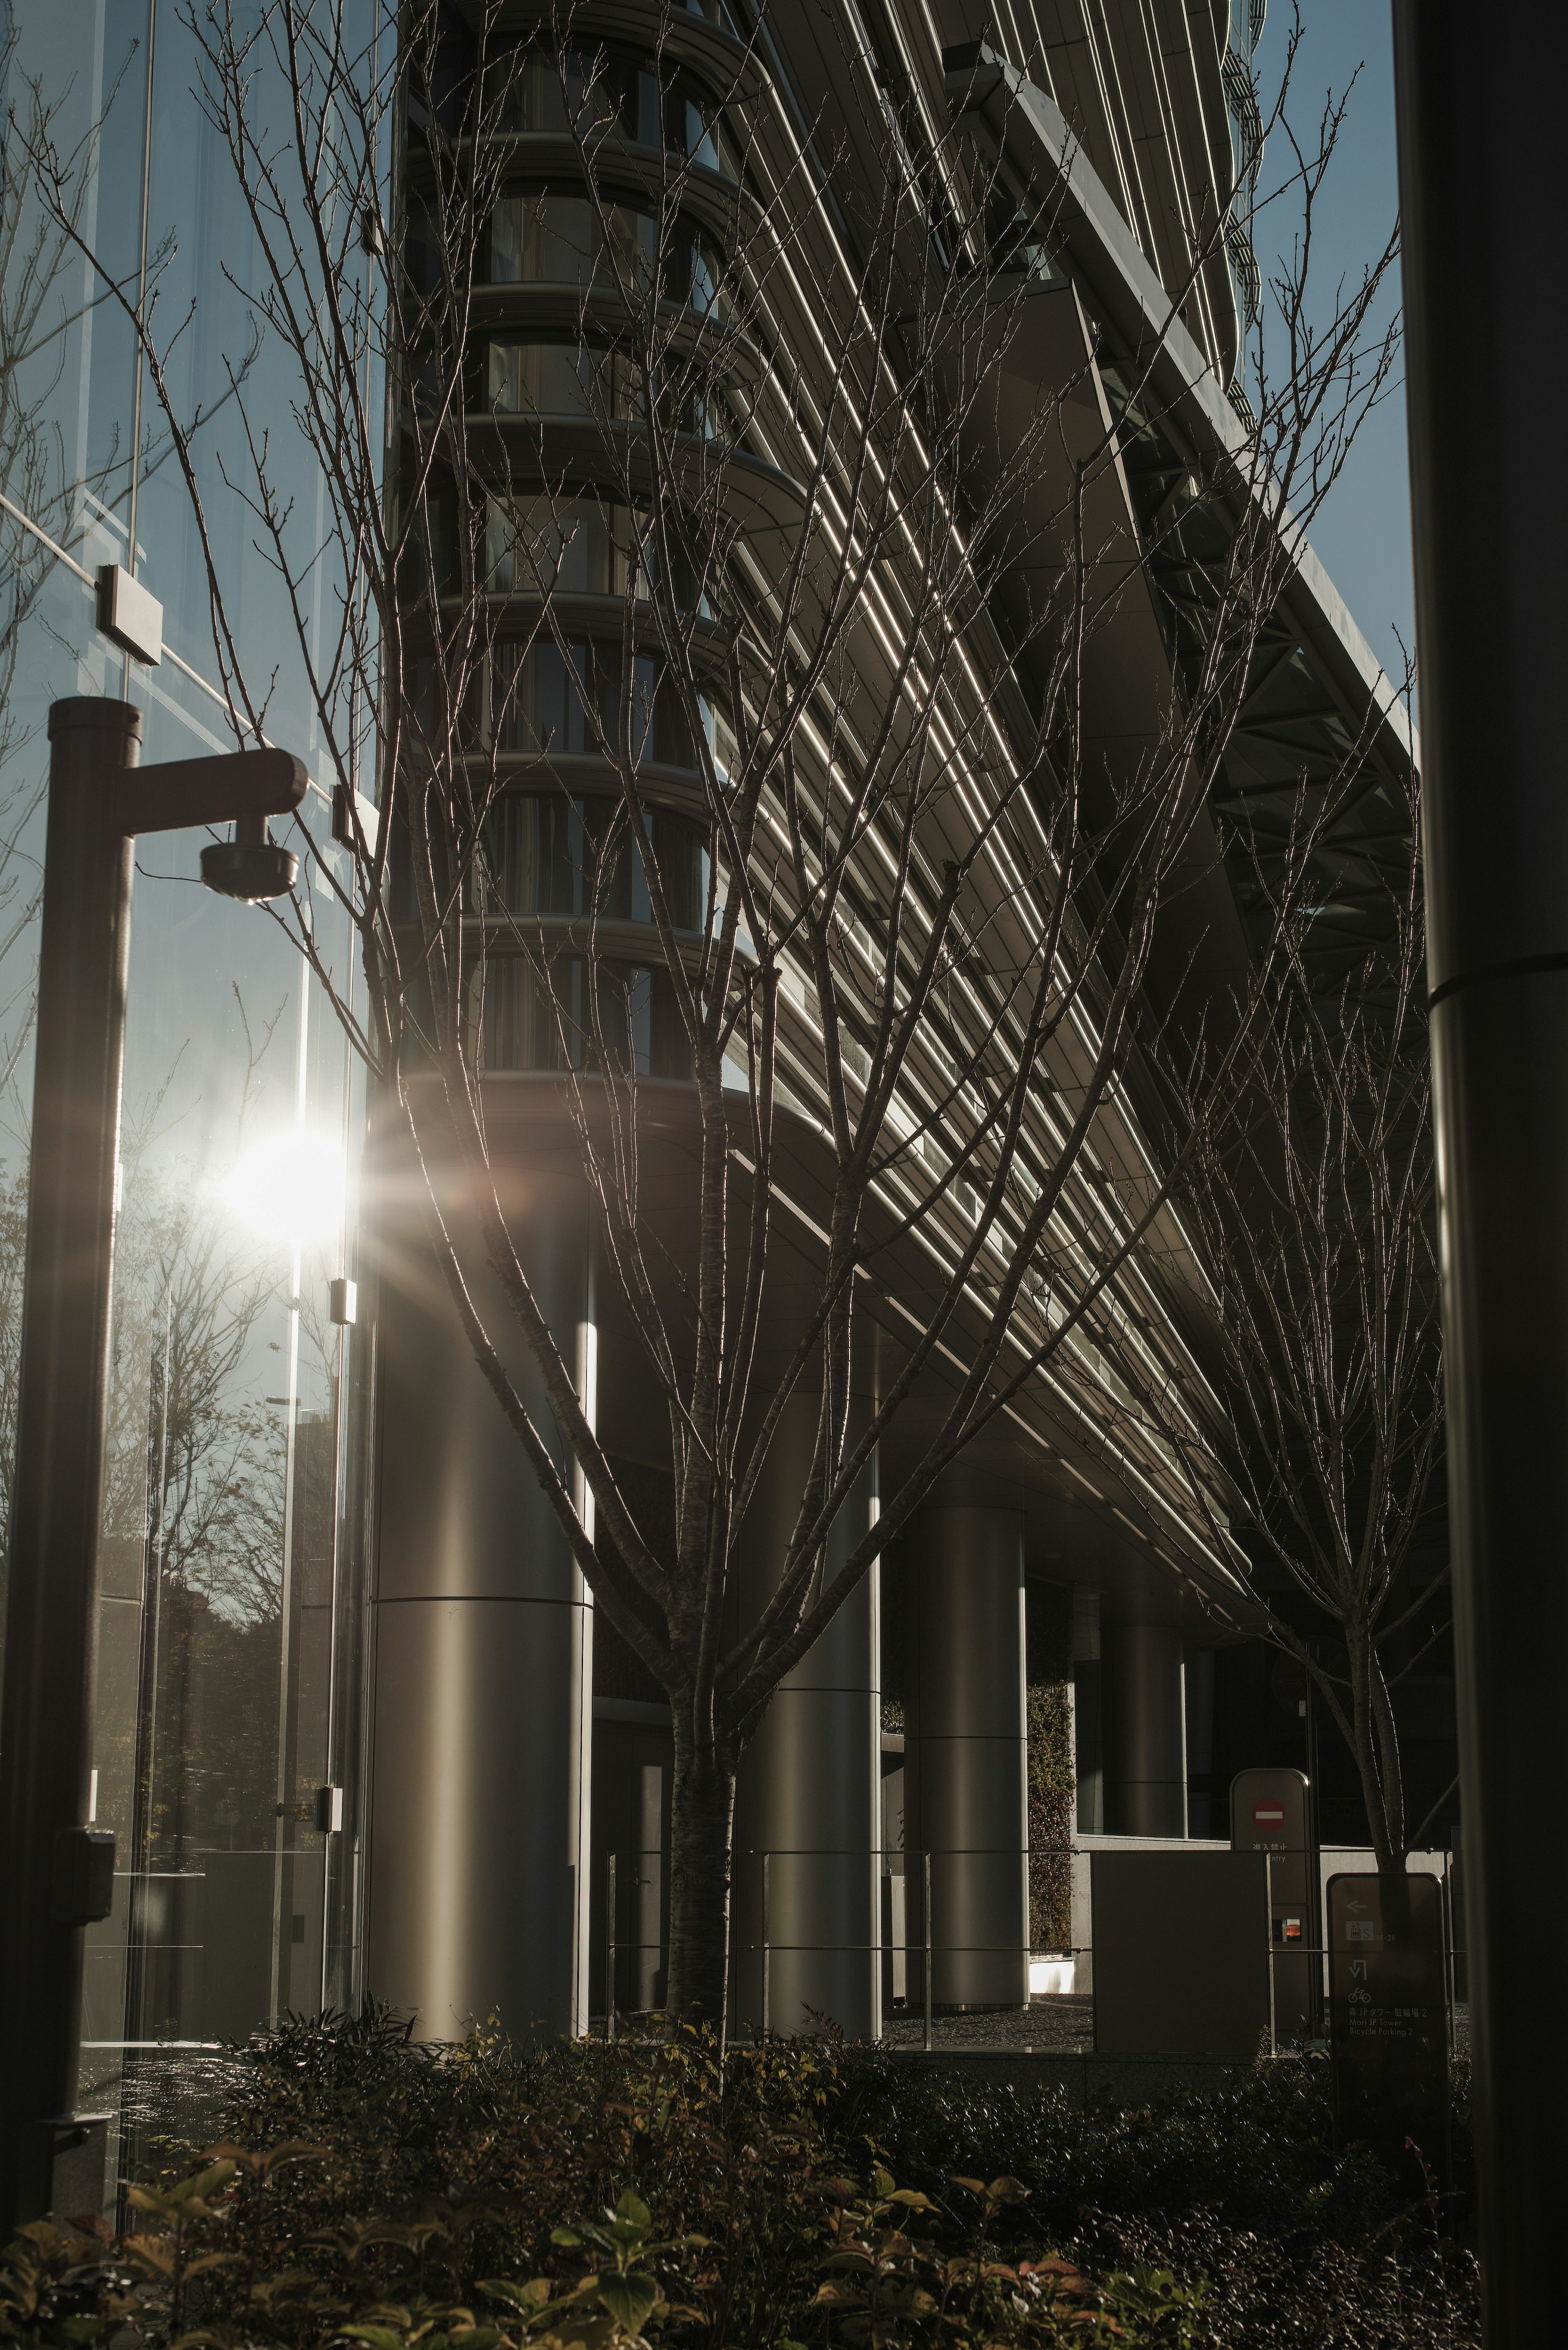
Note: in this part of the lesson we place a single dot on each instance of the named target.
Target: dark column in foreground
(51, 1643)
(1481, 193)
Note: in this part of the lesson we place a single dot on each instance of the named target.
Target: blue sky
(1363, 533)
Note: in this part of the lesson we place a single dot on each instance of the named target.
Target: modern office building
(359, 1731)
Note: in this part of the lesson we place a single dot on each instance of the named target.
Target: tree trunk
(1373, 1730)
(1390, 1771)
(703, 1804)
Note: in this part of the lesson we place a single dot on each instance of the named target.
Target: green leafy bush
(798, 2193)
(1052, 1810)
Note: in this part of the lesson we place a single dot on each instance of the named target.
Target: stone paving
(1060, 2025)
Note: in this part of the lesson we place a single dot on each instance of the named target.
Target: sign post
(1271, 1813)
(1388, 2015)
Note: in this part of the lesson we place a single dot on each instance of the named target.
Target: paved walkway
(1062, 2026)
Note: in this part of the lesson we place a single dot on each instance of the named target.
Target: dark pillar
(1481, 194)
(51, 1629)
(809, 1789)
(1088, 1750)
(1146, 1731)
(966, 1757)
(1198, 1682)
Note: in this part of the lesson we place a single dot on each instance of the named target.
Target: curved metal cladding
(484, 1648)
(808, 1794)
(966, 1757)
(1145, 1730)
(553, 399)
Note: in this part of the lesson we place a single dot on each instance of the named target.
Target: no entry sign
(1268, 1818)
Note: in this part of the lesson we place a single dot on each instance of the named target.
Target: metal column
(1146, 1731)
(966, 1755)
(809, 1790)
(1088, 1743)
(1481, 195)
(483, 1648)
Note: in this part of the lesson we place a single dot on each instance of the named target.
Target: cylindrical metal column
(1481, 197)
(51, 1633)
(483, 1651)
(1197, 1685)
(1146, 1731)
(1088, 1756)
(966, 1753)
(808, 1793)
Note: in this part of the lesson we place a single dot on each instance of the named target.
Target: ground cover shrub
(373, 2193)
(1295, 2243)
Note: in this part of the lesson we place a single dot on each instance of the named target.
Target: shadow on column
(966, 1760)
(1145, 1730)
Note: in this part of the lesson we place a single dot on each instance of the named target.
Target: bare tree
(43, 303)
(1312, 1196)
(773, 574)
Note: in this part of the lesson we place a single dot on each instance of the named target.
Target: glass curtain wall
(231, 1625)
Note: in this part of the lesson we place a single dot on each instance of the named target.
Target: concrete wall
(1335, 1860)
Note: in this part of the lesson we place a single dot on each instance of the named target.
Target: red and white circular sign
(1269, 1816)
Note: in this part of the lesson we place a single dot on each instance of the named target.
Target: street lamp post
(57, 1869)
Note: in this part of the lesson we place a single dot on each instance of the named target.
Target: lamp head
(251, 866)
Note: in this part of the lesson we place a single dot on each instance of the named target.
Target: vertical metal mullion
(286, 1584)
(926, 1858)
(141, 313)
(1269, 1913)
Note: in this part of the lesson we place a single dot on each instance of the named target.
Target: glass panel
(534, 238)
(226, 1476)
(535, 1016)
(546, 853)
(560, 379)
(616, 93)
(571, 547)
(572, 90)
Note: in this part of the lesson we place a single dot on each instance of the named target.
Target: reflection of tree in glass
(42, 305)
(38, 317)
(195, 1505)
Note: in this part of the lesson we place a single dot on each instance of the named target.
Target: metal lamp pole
(56, 1870)
(1481, 184)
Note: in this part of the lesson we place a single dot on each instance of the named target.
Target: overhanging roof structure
(1322, 701)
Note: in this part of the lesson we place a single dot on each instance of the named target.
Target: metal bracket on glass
(83, 1890)
(129, 615)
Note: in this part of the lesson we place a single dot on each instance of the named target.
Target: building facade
(359, 1731)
